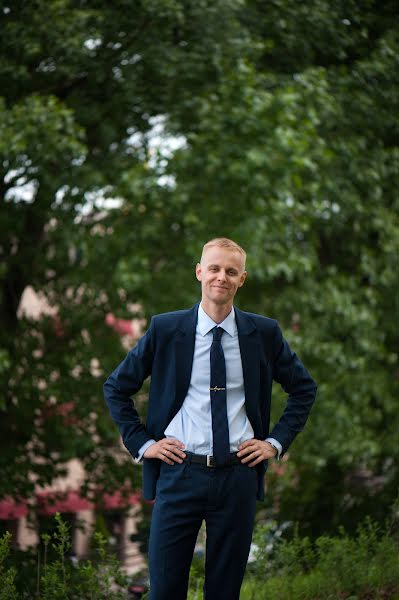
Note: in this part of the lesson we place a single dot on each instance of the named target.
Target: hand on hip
(169, 450)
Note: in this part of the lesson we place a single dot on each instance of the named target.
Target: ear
(198, 272)
(242, 278)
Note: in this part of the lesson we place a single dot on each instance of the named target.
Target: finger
(173, 442)
(246, 443)
(249, 444)
(172, 446)
(174, 450)
(261, 456)
(255, 459)
(172, 456)
(166, 459)
(247, 450)
(163, 456)
(256, 462)
(250, 457)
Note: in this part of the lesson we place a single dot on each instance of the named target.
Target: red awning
(13, 509)
(119, 500)
(63, 502)
(71, 501)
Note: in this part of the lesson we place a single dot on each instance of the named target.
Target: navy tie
(220, 425)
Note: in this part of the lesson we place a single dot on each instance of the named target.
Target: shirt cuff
(143, 448)
(276, 444)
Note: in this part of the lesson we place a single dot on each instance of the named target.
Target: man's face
(221, 273)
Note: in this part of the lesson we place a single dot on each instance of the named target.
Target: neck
(217, 312)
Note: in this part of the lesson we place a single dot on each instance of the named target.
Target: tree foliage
(77, 83)
(286, 117)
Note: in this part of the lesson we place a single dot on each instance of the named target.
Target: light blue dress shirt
(192, 424)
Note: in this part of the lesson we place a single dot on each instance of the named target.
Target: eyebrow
(218, 267)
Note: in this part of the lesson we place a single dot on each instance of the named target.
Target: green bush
(59, 579)
(341, 567)
(364, 567)
(332, 567)
(8, 590)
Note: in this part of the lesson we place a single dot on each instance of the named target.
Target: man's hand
(253, 452)
(169, 450)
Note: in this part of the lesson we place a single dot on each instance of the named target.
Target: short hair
(223, 242)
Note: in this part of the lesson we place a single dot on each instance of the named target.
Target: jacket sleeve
(298, 384)
(126, 380)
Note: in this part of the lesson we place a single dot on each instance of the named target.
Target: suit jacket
(166, 353)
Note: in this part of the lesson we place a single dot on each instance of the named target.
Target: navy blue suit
(166, 353)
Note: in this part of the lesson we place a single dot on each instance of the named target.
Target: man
(206, 442)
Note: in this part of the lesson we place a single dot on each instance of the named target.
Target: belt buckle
(210, 461)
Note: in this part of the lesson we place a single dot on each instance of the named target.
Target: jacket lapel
(250, 359)
(184, 354)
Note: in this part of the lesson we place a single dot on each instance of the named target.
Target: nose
(222, 275)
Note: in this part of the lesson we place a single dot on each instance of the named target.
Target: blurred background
(131, 132)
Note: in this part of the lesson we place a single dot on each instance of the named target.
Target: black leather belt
(209, 461)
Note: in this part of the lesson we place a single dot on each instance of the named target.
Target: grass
(364, 567)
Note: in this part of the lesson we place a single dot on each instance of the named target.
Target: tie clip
(216, 389)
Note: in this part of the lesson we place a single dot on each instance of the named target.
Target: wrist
(276, 450)
(277, 445)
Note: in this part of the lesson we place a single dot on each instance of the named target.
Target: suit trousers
(188, 494)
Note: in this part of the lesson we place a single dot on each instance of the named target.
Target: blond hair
(223, 242)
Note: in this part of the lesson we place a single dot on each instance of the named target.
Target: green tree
(79, 87)
(295, 155)
(289, 144)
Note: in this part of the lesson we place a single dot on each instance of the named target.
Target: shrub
(8, 591)
(59, 579)
(366, 566)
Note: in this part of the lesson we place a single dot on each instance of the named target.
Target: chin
(220, 301)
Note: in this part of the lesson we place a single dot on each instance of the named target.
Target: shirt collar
(206, 324)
